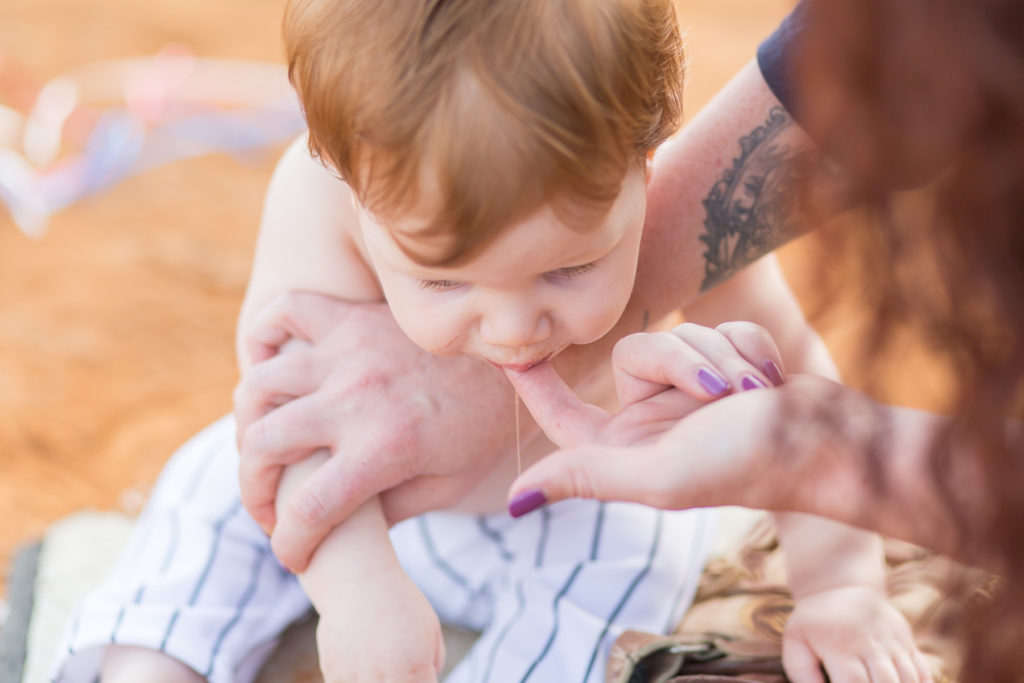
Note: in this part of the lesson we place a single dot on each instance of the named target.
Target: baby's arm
(375, 624)
(842, 618)
(305, 242)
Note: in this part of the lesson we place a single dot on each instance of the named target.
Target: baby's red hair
(471, 113)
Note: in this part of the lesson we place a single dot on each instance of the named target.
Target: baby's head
(497, 152)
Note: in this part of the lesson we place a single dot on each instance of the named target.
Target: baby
(493, 157)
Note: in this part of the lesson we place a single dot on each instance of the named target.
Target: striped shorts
(550, 592)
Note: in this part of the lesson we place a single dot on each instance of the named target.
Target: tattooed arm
(723, 193)
(749, 211)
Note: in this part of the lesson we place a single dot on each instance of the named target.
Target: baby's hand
(705, 363)
(382, 630)
(660, 378)
(856, 635)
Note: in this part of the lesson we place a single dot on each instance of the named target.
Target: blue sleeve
(776, 57)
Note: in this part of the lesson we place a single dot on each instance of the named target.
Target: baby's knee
(127, 664)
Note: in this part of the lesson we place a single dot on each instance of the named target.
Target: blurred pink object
(131, 115)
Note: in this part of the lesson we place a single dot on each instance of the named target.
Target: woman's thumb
(558, 411)
(600, 472)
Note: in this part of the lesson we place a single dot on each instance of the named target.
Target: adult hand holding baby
(357, 386)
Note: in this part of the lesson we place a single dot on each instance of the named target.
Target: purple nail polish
(773, 372)
(712, 382)
(751, 382)
(525, 502)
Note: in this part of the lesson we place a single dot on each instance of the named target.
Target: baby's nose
(515, 328)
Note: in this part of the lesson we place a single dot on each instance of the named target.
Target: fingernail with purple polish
(751, 382)
(712, 382)
(525, 502)
(773, 372)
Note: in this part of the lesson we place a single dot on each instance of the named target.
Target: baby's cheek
(599, 318)
(412, 323)
(437, 338)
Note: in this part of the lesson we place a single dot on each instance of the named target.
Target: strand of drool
(519, 452)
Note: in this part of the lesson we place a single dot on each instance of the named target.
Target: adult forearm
(872, 465)
(721, 195)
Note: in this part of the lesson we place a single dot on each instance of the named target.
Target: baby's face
(534, 290)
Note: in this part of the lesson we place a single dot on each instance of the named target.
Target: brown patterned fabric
(733, 631)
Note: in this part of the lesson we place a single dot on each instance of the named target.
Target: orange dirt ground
(116, 327)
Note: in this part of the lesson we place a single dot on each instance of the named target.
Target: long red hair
(930, 94)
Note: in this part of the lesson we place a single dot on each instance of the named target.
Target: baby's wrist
(346, 589)
(866, 591)
(846, 570)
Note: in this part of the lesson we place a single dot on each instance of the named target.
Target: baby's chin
(520, 363)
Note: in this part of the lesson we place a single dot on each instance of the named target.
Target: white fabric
(550, 591)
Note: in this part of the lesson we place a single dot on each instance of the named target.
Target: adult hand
(665, 447)
(421, 430)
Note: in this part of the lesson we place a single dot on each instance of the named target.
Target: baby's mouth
(520, 367)
(524, 365)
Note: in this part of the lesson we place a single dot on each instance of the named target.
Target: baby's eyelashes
(442, 285)
(571, 271)
(566, 273)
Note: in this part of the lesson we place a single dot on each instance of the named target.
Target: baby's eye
(573, 271)
(440, 284)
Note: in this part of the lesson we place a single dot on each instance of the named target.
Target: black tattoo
(646, 321)
(750, 209)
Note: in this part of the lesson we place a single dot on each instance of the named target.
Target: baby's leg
(126, 664)
(196, 584)
(557, 587)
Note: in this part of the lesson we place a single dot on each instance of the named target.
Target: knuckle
(688, 329)
(667, 337)
(256, 439)
(627, 343)
(731, 327)
(744, 331)
(255, 444)
(272, 314)
(262, 383)
(254, 381)
(582, 483)
(301, 360)
(371, 379)
(282, 550)
(286, 301)
(309, 509)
